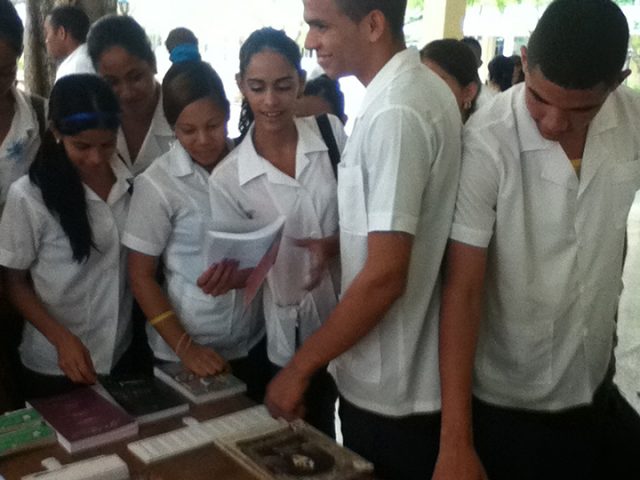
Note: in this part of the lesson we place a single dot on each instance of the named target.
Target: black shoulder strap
(329, 140)
(37, 103)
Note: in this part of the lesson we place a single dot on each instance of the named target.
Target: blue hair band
(185, 52)
(81, 121)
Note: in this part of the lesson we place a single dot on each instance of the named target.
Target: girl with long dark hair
(60, 243)
(283, 168)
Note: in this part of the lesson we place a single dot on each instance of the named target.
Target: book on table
(84, 419)
(101, 467)
(254, 246)
(275, 449)
(199, 389)
(145, 397)
(24, 429)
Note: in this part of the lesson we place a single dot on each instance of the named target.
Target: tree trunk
(39, 68)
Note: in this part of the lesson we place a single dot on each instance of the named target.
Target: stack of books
(84, 419)
(199, 389)
(23, 430)
(145, 398)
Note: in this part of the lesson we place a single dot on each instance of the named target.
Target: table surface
(204, 463)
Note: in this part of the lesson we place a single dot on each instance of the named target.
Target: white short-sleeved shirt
(399, 173)
(246, 186)
(169, 215)
(92, 299)
(21, 144)
(77, 61)
(555, 246)
(156, 143)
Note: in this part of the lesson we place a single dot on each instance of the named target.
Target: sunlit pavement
(628, 349)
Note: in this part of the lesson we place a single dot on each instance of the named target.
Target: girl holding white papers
(282, 167)
(60, 242)
(169, 215)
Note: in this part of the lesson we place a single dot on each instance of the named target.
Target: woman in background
(169, 215)
(122, 55)
(60, 244)
(282, 168)
(454, 62)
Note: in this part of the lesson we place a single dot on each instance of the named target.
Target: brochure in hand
(254, 247)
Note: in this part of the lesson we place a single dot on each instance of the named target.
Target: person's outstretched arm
(460, 316)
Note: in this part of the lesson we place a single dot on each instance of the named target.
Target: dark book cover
(146, 398)
(84, 419)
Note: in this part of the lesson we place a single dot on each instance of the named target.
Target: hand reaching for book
(203, 361)
(75, 360)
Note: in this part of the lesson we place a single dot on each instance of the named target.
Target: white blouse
(92, 298)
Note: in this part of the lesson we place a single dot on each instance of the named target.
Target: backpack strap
(330, 141)
(37, 103)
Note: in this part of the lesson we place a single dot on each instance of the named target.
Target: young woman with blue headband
(60, 244)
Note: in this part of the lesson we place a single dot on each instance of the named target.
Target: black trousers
(600, 441)
(401, 448)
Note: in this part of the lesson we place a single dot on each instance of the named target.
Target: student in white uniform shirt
(396, 194)
(169, 215)
(22, 116)
(66, 30)
(19, 112)
(60, 244)
(282, 167)
(533, 276)
(122, 55)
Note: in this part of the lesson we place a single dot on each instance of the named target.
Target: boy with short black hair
(533, 270)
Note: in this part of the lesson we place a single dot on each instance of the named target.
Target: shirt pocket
(352, 207)
(625, 178)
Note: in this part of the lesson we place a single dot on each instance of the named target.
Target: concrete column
(443, 18)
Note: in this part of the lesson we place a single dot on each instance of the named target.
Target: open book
(254, 248)
(274, 449)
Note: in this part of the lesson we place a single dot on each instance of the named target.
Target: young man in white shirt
(66, 30)
(396, 195)
(533, 270)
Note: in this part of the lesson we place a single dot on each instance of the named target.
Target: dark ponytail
(265, 39)
(77, 103)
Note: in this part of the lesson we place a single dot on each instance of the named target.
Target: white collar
(252, 165)
(405, 58)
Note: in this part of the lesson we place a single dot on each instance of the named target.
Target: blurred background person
(454, 62)
(122, 55)
(65, 31)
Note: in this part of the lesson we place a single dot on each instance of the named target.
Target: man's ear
(523, 54)
(623, 75)
(303, 82)
(376, 24)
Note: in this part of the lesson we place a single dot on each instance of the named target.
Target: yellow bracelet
(161, 318)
